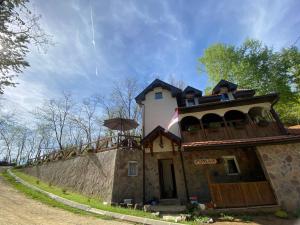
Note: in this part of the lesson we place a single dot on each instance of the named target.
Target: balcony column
(278, 122)
(203, 130)
(227, 133)
(252, 125)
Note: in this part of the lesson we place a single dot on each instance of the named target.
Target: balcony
(234, 125)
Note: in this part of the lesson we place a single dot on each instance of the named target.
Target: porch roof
(242, 142)
(160, 131)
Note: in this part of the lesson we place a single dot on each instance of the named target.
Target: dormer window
(224, 97)
(158, 95)
(190, 102)
(227, 96)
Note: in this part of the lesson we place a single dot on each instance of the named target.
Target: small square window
(158, 95)
(190, 102)
(132, 168)
(232, 166)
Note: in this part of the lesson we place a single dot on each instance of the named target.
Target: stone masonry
(282, 165)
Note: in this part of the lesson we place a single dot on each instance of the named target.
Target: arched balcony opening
(260, 116)
(212, 120)
(264, 122)
(214, 127)
(190, 129)
(190, 123)
(235, 118)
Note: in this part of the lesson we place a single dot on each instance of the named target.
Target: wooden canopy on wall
(147, 141)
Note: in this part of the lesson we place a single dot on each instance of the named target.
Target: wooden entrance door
(167, 178)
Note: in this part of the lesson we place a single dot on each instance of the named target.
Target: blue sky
(144, 39)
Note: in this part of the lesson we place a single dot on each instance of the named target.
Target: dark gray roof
(157, 83)
(191, 89)
(224, 83)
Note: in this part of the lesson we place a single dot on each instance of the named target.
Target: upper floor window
(190, 102)
(224, 97)
(227, 96)
(158, 95)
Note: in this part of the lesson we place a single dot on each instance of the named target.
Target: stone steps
(171, 209)
(169, 201)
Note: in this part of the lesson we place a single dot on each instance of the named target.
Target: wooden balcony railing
(120, 141)
(231, 132)
(242, 194)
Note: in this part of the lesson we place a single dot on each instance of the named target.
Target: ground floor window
(132, 168)
(231, 165)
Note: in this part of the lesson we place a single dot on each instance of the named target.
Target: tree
(19, 27)
(56, 114)
(256, 66)
(86, 119)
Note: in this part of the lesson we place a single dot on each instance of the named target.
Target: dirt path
(17, 209)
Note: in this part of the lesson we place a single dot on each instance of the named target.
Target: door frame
(161, 182)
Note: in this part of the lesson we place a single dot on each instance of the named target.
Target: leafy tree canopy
(19, 27)
(254, 65)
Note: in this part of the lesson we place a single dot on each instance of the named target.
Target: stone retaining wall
(282, 165)
(92, 174)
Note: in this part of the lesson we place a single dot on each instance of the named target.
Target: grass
(45, 199)
(76, 197)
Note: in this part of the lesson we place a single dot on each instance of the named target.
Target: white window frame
(226, 158)
(137, 168)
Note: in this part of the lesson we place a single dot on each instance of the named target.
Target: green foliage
(44, 198)
(18, 28)
(281, 214)
(256, 66)
(93, 202)
(64, 191)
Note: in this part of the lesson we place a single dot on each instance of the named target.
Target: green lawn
(45, 199)
(93, 202)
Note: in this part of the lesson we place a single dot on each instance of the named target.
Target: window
(190, 102)
(231, 165)
(132, 168)
(158, 95)
(224, 97)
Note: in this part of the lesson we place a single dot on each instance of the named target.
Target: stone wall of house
(198, 175)
(152, 185)
(128, 187)
(92, 174)
(282, 165)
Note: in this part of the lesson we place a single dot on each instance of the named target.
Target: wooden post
(226, 128)
(203, 130)
(151, 148)
(161, 144)
(279, 123)
(144, 178)
(184, 177)
(173, 147)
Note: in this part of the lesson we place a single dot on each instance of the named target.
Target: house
(228, 148)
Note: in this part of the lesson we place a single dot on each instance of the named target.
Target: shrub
(281, 214)
(37, 182)
(64, 191)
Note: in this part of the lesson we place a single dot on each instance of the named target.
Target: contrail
(93, 29)
(93, 38)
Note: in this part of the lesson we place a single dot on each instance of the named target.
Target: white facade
(159, 112)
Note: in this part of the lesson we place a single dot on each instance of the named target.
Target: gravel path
(17, 209)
